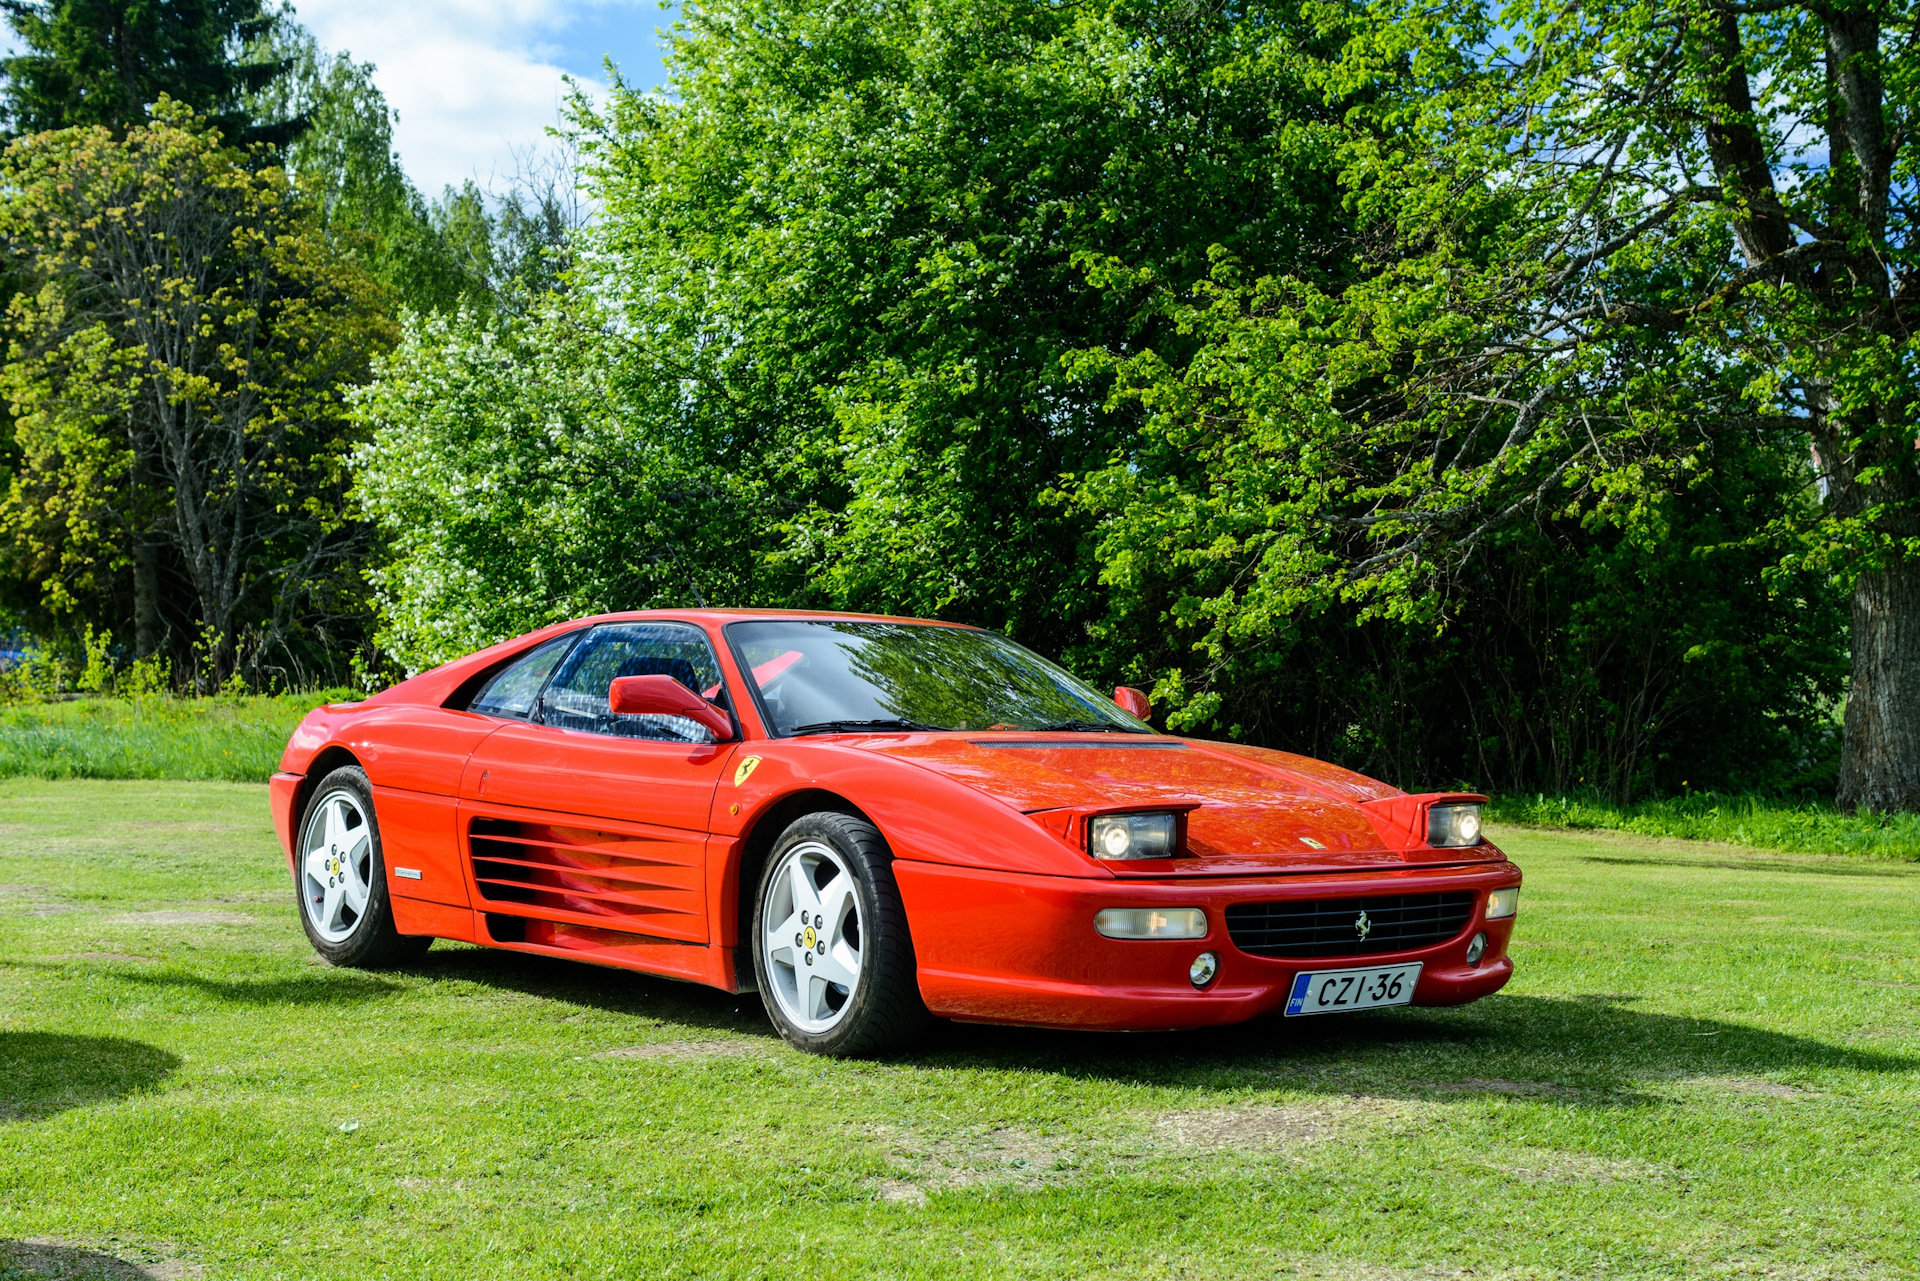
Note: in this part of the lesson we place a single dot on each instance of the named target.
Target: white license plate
(1335, 991)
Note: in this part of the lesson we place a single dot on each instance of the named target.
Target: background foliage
(1186, 342)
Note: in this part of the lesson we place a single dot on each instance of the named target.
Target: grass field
(237, 739)
(1708, 1066)
(1763, 822)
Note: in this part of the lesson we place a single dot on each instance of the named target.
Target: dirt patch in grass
(48, 1260)
(1496, 1085)
(900, 1192)
(1546, 1166)
(997, 1156)
(710, 1049)
(1224, 1129)
(1749, 1085)
(176, 917)
(1274, 1127)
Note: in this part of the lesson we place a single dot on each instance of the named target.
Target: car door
(580, 817)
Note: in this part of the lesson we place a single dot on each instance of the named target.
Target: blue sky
(477, 82)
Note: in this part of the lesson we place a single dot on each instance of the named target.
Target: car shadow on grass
(42, 1073)
(629, 992)
(1590, 1051)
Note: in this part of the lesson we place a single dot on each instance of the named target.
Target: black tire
(883, 1013)
(369, 941)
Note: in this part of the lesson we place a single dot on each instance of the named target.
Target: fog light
(1204, 967)
(1476, 949)
(1503, 903)
(1151, 922)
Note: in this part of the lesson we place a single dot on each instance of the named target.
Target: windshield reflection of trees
(960, 679)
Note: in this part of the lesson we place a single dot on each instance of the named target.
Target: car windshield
(820, 676)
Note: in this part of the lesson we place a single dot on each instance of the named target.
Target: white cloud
(475, 82)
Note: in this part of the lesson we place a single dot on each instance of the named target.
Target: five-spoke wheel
(341, 879)
(831, 949)
(336, 869)
(813, 935)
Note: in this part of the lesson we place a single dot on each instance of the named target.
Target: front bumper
(1003, 947)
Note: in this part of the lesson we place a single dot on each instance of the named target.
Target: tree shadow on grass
(41, 1260)
(325, 987)
(42, 1073)
(331, 987)
(1803, 865)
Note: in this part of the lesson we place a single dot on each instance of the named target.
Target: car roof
(723, 616)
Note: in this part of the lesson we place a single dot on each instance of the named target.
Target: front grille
(1331, 926)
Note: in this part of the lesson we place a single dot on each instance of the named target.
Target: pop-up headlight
(1453, 826)
(1118, 836)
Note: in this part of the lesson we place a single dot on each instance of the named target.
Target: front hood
(1257, 811)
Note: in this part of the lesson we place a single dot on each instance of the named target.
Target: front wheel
(830, 943)
(340, 877)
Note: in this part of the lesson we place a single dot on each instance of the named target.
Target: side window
(512, 692)
(577, 696)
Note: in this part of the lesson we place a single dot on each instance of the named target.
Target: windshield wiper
(1097, 727)
(847, 727)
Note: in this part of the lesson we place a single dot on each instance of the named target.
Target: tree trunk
(1880, 762)
(146, 597)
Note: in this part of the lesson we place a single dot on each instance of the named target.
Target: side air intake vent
(577, 876)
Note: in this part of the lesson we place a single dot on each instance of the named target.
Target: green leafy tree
(852, 239)
(527, 469)
(106, 62)
(176, 376)
(1597, 250)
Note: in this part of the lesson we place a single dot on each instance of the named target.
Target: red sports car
(873, 821)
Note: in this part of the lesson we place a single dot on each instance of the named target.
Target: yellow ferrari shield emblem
(811, 937)
(745, 771)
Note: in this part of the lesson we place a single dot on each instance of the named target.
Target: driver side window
(576, 697)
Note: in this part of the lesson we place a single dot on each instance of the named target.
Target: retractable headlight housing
(1453, 826)
(1128, 836)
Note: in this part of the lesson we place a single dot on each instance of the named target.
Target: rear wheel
(831, 949)
(340, 878)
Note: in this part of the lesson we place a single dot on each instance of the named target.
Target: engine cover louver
(582, 877)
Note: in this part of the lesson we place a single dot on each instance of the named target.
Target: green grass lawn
(237, 739)
(1708, 1066)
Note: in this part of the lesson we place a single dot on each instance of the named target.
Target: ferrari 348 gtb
(872, 821)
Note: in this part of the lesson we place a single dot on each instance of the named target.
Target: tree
(176, 378)
(1595, 247)
(528, 469)
(106, 62)
(852, 241)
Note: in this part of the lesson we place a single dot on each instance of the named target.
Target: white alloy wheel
(336, 865)
(812, 945)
